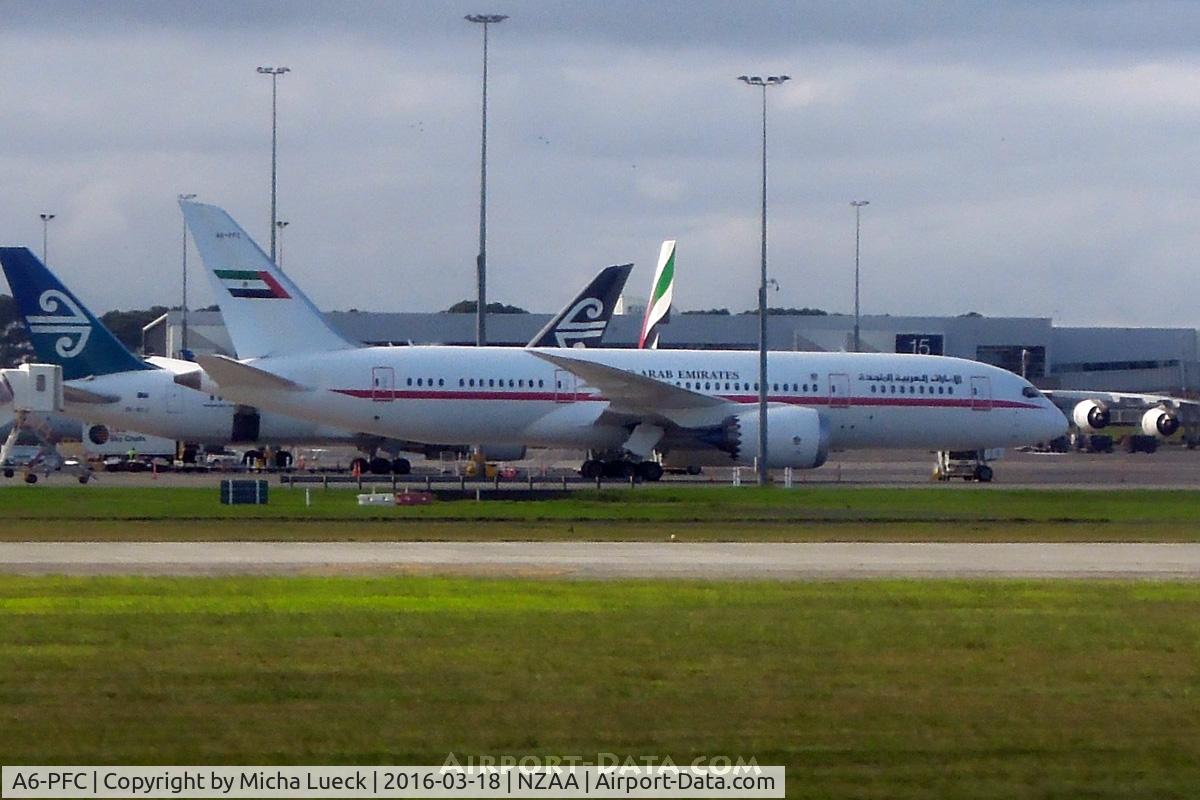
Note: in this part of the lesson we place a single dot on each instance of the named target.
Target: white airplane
(694, 407)
(105, 383)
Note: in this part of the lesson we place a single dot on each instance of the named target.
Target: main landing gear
(381, 466)
(621, 469)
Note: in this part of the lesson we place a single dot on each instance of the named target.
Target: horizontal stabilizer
(228, 372)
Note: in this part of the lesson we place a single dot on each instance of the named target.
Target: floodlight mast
(481, 260)
(763, 477)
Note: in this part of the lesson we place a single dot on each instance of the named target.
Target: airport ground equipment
(35, 391)
(970, 465)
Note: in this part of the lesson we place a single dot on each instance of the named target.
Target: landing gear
(360, 466)
(591, 469)
(380, 466)
(620, 469)
(400, 466)
(650, 471)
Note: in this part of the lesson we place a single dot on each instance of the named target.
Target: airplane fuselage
(511, 395)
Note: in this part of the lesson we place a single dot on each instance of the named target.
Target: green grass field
(867, 689)
(691, 514)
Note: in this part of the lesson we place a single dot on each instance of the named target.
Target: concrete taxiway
(736, 561)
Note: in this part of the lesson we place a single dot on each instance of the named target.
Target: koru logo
(584, 321)
(63, 316)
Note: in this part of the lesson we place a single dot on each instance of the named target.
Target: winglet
(583, 321)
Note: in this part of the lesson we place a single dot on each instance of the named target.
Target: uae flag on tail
(251, 283)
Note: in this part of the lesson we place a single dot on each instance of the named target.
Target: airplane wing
(1118, 399)
(642, 398)
(228, 372)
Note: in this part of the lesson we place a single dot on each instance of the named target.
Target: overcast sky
(1024, 159)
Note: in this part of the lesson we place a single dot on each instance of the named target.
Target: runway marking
(735, 561)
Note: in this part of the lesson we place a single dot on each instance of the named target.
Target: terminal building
(1112, 359)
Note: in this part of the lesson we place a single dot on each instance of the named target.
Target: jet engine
(1159, 422)
(796, 437)
(1090, 415)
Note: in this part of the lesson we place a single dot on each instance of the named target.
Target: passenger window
(409, 381)
(539, 382)
(491, 381)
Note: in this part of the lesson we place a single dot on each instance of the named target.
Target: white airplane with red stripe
(691, 406)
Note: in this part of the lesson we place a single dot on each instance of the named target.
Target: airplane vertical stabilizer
(583, 321)
(658, 307)
(62, 330)
(265, 313)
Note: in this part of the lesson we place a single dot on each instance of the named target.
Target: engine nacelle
(796, 437)
(1090, 415)
(1159, 422)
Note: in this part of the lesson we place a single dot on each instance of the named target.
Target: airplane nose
(1055, 423)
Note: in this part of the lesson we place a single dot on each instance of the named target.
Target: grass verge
(692, 513)
(868, 689)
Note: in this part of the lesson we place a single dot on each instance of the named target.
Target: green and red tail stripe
(251, 283)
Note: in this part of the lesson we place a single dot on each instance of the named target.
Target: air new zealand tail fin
(584, 320)
(265, 313)
(658, 308)
(61, 328)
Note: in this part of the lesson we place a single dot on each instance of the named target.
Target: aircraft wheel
(650, 471)
(31, 478)
(8, 473)
(361, 465)
(591, 469)
(983, 473)
(400, 466)
(625, 469)
(380, 466)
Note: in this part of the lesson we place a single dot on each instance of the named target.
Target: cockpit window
(1029, 391)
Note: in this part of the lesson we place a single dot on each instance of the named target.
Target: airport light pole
(763, 478)
(281, 224)
(858, 204)
(481, 260)
(183, 309)
(274, 72)
(46, 217)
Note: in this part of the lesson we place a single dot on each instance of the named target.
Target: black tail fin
(584, 320)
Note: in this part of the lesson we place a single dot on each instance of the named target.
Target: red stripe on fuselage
(815, 400)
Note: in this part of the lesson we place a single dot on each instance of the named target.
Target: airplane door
(839, 390)
(565, 386)
(981, 393)
(383, 384)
